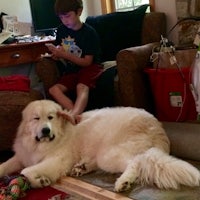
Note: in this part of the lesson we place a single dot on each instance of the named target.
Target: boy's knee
(82, 86)
(52, 89)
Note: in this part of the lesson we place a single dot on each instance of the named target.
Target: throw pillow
(118, 30)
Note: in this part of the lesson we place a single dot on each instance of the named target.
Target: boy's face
(70, 19)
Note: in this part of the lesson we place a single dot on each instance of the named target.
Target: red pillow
(15, 83)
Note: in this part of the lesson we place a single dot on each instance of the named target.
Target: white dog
(124, 139)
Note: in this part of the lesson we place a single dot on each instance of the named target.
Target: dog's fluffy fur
(118, 140)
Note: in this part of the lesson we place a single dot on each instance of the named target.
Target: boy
(79, 49)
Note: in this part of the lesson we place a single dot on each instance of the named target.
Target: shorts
(86, 75)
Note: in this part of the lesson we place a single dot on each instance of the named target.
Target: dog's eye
(50, 117)
(36, 118)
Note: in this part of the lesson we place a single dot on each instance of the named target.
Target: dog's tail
(155, 167)
(165, 171)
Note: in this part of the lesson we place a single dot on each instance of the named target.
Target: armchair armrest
(133, 86)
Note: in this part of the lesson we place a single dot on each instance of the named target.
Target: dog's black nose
(45, 132)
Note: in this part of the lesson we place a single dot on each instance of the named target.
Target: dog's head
(41, 120)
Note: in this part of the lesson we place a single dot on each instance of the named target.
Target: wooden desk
(21, 53)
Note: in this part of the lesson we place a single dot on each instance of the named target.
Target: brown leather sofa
(12, 103)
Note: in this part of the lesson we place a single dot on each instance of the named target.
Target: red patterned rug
(18, 187)
(47, 193)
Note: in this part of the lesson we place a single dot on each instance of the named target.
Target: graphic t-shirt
(84, 41)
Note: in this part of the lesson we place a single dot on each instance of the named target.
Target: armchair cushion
(118, 30)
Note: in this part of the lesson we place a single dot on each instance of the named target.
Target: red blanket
(15, 83)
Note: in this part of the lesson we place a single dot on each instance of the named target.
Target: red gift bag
(172, 96)
(15, 83)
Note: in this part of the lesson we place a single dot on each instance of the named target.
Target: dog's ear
(67, 116)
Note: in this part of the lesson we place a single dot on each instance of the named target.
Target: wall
(91, 7)
(20, 8)
(170, 10)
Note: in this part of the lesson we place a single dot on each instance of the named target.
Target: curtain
(107, 6)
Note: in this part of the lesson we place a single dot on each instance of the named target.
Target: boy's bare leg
(81, 100)
(57, 92)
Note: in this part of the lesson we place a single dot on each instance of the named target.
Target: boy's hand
(57, 51)
(50, 46)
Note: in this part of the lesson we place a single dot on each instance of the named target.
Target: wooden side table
(21, 53)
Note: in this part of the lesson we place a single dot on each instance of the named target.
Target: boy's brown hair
(64, 6)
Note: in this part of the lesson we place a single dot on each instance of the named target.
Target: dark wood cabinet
(21, 53)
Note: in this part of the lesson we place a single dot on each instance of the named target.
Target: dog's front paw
(36, 181)
(78, 170)
(39, 181)
(122, 185)
(43, 181)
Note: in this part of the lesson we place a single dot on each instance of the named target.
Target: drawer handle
(15, 55)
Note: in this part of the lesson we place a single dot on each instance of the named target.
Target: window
(123, 5)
